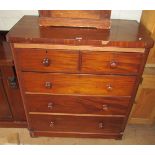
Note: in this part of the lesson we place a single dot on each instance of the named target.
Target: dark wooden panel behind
(13, 94)
(5, 113)
(15, 116)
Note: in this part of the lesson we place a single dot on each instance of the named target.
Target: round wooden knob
(104, 107)
(113, 64)
(46, 62)
(48, 85)
(51, 124)
(109, 87)
(50, 105)
(101, 125)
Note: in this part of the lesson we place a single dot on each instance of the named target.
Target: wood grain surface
(123, 33)
(58, 60)
(77, 104)
(75, 18)
(76, 124)
(78, 84)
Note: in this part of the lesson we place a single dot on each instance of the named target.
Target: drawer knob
(104, 107)
(109, 87)
(50, 105)
(46, 62)
(113, 64)
(51, 124)
(48, 85)
(101, 125)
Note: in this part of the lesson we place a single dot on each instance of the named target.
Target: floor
(134, 134)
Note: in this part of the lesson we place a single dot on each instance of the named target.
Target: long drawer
(77, 104)
(107, 85)
(56, 123)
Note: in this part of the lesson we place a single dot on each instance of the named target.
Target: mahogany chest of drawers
(78, 82)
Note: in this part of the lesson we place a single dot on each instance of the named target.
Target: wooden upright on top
(75, 18)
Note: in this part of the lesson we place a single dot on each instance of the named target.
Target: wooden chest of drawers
(78, 82)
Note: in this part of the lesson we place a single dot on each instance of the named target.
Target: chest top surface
(123, 33)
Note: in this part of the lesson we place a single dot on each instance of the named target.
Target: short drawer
(87, 124)
(106, 85)
(111, 62)
(47, 60)
(77, 104)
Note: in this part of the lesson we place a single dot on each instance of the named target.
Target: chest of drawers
(78, 82)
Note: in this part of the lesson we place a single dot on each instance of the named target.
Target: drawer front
(111, 63)
(57, 123)
(47, 60)
(78, 84)
(77, 104)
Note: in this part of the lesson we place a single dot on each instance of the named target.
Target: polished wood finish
(123, 33)
(105, 85)
(79, 48)
(111, 63)
(98, 105)
(75, 18)
(12, 113)
(47, 60)
(65, 102)
(76, 124)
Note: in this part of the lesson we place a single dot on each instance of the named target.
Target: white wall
(9, 18)
(126, 14)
